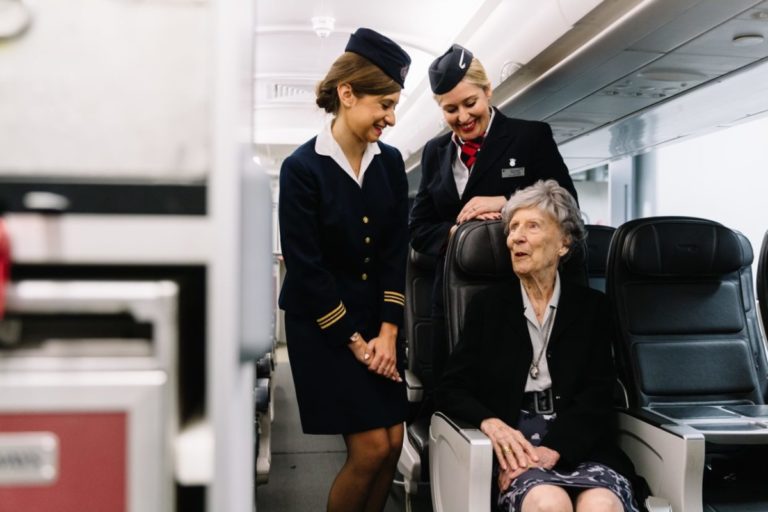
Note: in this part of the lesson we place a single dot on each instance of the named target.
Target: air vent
(292, 92)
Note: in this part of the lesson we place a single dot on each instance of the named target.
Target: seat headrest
(685, 248)
(598, 241)
(482, 250)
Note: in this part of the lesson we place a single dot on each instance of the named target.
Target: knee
(547, 498)
(598, 500)
(371, 455)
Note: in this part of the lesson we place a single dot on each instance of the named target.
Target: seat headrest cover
(482, 250)
(685, 249)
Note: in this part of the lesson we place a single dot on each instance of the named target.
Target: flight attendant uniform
(345, 242)
(514, 154)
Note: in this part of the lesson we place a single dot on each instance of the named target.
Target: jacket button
(367, 260)
(365, 220)
(367, 239)
(364, 277)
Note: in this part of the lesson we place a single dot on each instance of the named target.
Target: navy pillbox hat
(382, 51)
(447, 70)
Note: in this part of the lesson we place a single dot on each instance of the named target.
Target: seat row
(688, 345)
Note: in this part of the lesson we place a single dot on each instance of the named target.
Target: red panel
(92, 463)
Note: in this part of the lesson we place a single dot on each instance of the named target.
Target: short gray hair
(553, 199)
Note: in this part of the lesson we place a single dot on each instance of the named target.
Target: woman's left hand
(482, 208)
(383, 350)
(547, 460)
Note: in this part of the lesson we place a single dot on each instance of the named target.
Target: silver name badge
(513, 172)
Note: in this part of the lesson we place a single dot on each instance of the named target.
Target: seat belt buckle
(543, 402)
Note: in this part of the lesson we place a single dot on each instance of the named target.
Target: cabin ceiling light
(747, 39)
(672, 75)
(323, 25)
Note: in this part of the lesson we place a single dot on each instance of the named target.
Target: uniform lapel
(498, 140)
(445, 166)
(567, 309)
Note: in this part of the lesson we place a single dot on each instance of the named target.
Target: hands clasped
(379, 355)
(515, 453)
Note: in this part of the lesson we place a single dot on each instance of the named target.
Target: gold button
(367, 260)
(367, 239)
(365, 220)
(365, 277)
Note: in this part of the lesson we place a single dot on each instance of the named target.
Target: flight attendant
(343, 213)
(471, 171)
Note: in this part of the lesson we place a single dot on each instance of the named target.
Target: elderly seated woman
(534, 370)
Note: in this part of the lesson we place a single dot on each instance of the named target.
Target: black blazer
(486, 373)
(345, 247)
(515, 154)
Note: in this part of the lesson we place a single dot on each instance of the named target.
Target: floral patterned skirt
(586, 475)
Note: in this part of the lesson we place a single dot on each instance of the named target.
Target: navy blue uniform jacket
(486, 374)
(515, 154)
(345, 248)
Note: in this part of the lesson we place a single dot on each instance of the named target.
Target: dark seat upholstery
(688, 342)
(598, 241)
(762, 282)
(420, 276)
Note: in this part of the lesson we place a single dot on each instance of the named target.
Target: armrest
(670, 458)
(414, 387)
(461, 466)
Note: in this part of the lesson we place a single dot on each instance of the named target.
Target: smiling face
(535, 242)
(466, 109)
(367, 115)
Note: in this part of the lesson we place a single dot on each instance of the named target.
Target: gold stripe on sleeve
(394, 297)
(332, 317)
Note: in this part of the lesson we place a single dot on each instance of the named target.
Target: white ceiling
(290, 58)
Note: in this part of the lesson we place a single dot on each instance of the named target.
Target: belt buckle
(543, 403)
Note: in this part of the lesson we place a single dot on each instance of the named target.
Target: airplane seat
(414, 457)
(762, 283)
(689, 351)
(598, 241)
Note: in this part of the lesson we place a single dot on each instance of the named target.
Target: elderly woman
(534, 370)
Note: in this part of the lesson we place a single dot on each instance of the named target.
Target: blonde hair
(362, 75)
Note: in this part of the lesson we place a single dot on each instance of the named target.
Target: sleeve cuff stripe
(394, 295)
(395, 301)
(335, 318)
(333, 313)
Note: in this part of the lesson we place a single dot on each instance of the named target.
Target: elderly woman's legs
(598, 500)
(363, 483)
(547, 498)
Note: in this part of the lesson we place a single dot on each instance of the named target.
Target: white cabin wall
(720, 176)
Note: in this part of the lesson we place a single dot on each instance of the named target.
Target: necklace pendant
(534, 372)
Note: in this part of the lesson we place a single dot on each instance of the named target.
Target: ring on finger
(506, 449)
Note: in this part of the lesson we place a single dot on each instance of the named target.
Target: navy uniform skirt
(336, 393)
(587, 475)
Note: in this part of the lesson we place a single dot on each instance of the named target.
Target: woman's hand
(512, 448)
(383, 351)
(547, 460)
(482, 208)
(359, 348)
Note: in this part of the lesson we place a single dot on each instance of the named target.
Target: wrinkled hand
(482, 208)
(383, 357)
(547, 460)
(513, 450)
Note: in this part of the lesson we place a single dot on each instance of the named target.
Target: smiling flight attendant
(343, 224)
(471, 171)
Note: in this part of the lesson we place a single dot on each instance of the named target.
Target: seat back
(762, 282)
(419, 276)
(681, 290)
(598, 240)
(476, 257)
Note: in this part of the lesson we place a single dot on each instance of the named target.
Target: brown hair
(361, 74)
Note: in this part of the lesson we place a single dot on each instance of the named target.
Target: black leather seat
(692, 358)
(762, 282)
(598, 241)
(414, 459)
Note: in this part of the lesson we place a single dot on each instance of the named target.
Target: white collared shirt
(460, 171)
(326, 145)
(537, 332)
